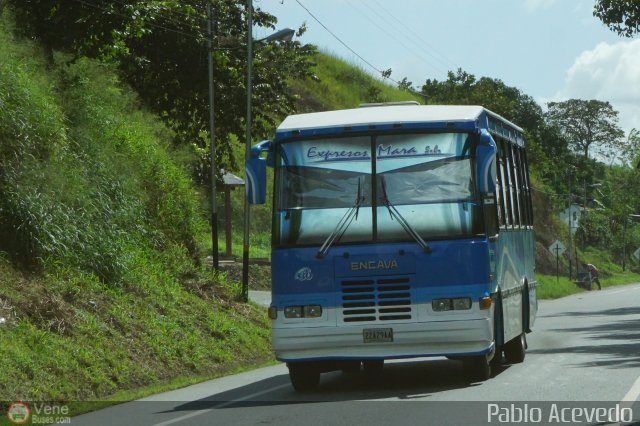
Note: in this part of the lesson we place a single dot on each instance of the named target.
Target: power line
(398, 33)
(338, 38)
(390, 34)
(433, 51)
(382, 73)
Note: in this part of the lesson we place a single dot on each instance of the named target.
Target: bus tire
(514, 349)
(351, 367)
(304, 376)
(477, 368)
(373, 367)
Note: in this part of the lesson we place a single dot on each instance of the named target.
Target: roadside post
(557, 248)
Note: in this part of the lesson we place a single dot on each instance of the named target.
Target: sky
(552, 50)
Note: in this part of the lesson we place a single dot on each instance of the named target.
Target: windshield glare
(427, 177)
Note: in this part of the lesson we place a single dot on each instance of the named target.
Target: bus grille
(382, 299)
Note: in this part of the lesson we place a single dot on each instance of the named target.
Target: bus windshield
(427, 178)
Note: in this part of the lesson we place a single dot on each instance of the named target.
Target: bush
(84, 174)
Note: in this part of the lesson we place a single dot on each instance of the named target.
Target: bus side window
(499, 200)
(499, 187)
(513, 187)
(506, 186)
(528, 188)
(524, 208)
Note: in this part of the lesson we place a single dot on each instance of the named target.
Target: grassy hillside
(340, 85)
(99, 291)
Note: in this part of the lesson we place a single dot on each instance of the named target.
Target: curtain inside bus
(427, 177)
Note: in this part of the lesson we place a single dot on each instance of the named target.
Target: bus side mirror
(486, 178)
(256, 171)
(486, 163)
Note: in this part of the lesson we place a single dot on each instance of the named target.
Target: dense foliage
(160, 47)
(99, 290)
(83, 180)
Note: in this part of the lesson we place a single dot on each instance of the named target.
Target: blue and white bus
(399, 231)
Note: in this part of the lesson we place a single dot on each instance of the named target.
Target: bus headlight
(457, 304)
(461, 303)
(440, 305)
(293, 312)
(312, 311)
(308, 311)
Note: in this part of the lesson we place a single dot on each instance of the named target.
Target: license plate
(377, 335)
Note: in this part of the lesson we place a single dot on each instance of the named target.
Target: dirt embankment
(547, 231)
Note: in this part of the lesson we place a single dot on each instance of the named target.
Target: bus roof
(398, 116)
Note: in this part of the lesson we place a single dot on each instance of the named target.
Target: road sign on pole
(636, 254)
(557, 248)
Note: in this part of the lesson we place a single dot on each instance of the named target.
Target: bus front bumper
(410, 340)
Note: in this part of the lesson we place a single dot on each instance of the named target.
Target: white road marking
(633, 393)
(224, 404)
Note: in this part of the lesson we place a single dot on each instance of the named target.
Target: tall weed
(84, 173)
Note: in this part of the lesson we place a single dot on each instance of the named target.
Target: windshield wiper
(343, 224)
(395, 214)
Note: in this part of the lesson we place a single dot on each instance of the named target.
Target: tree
(405, 84)
(621, 16)
(161, 50)
(456, 89)
(631, 153)
(462, 88)
(586, 124)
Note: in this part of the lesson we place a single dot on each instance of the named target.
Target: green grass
(341, 85)
(550, 287)
(71, 337)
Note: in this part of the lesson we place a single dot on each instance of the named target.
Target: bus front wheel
(373, 367)
(477, 368)
(304, 376)
(514, 349)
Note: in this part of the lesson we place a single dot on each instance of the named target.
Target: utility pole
(245, 243)
(570, 229)
(624, 244)
(214, 204)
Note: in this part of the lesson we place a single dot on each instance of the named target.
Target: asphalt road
(583, 362)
